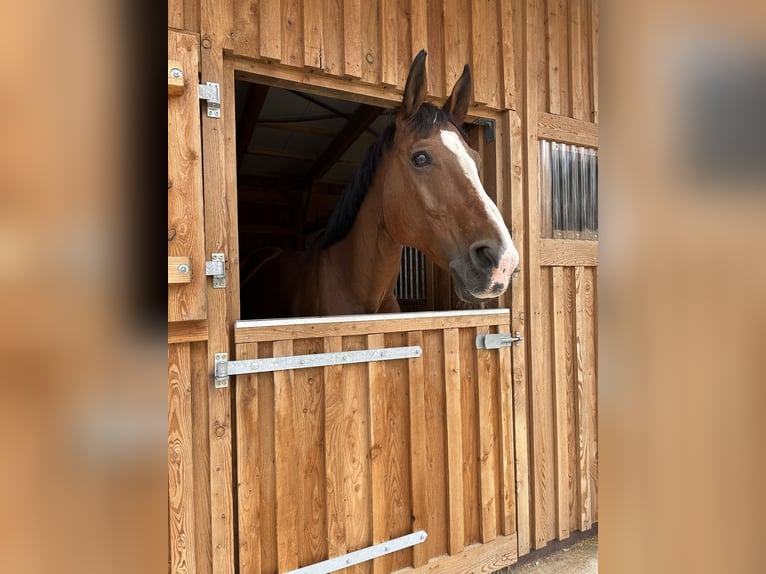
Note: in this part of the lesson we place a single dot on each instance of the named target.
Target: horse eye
(420, 159)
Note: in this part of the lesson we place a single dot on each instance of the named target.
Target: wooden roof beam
(356, 126)
(256, 96)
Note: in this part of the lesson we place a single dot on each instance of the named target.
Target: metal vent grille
(411, 285)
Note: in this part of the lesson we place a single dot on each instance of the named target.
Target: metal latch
(225, 368)
(497, 340)
(211, 92)
(217, 269)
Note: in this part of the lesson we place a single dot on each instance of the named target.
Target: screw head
(176, 72)
(183, 268)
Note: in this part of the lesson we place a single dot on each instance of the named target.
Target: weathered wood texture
(186, 293)
(372, 42)
(560, 103)
(188, 470)
(335, 459)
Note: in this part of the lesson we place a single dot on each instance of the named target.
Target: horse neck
(369, 259)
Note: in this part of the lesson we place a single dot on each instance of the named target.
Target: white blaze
(454, 143)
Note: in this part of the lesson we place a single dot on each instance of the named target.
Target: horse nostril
(484, 256)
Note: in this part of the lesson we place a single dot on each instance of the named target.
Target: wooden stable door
(186, 248)
(341, 457)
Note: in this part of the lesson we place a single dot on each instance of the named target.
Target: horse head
(434, 198)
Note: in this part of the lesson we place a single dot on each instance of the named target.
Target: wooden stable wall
(536, 75)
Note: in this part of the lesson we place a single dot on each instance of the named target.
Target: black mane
(344, 214)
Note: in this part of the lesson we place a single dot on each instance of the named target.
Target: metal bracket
(211, 92)
(217, 269)
(498, 340)
(221, 374)
(489, 132)
(364, 554)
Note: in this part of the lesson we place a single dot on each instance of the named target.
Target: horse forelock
(421, 123)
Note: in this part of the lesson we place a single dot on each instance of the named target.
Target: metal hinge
(217, 270)
(364, 554)
(211, 92)
(225, 368)
(497, 340)
(489, 132)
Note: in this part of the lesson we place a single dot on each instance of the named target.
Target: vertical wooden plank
(356, 464)
(287, 482)
(553, 54)
(512, 123)
(180, 461)
(436, 440)
(584, 43)
(488, 439)
(572, 436)
(292, 33)
(454, 440)
(267, 464)
(313, 41)
(231, 199)
(508, 56)
(593, 10)
(507, 439)
(397, 454)
(352, 38)
(270, 29)
(519, 23)
(191, 16)
(479, 52)
(247, 29)
(456, 14)
(388, 42)
(201, 453)
(536, 342)
(404, 53)
(418, 469)
(418, 27)
(332, 41)
(494, 78)
(545, 418)
(249, 442)
(176, 14)
(370, 41)
(470, 422)
(379, 505)
(216, 24)
(308, 404)
(591, 277)
(561, 435)
(334, 448)
(584, 349)
(561, 30)
(541, 78)
(436, 47)
(576, 62)
(186, 301)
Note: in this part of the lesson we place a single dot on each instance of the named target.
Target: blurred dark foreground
(682, 285)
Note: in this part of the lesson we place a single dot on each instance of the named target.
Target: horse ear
(457, 103)
(415, 88)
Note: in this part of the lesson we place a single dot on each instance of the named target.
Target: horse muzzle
(485, 272)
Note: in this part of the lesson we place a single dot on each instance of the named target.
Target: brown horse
(418, 186)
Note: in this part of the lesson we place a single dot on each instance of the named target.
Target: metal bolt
(176, 72)
(183, 268)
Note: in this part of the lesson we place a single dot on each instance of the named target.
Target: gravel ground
(580, 558)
